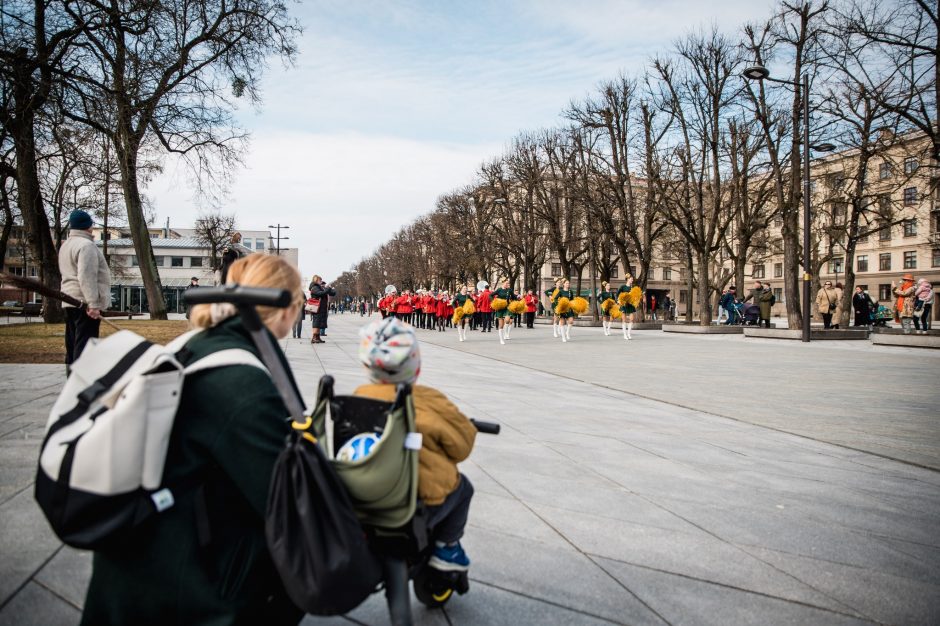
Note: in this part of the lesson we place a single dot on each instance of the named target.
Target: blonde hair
(254, 270)
(316, 279)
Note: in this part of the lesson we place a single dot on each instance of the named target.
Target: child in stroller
(750, 314)
(881, 315)
(389, 351)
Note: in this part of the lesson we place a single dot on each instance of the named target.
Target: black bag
(316, 542)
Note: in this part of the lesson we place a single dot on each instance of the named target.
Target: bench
(31, 310)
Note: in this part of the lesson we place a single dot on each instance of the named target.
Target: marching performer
(606, 300)
(460, 320)
(500, 304)
(551, 293)
(562, 304)
(628, 298)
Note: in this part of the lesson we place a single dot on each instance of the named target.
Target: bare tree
(214, 230)
(166, 72)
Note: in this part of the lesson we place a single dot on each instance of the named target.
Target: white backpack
(101, 462)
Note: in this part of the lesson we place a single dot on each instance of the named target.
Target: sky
(391, 104)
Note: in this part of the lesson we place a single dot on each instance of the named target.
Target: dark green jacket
(230, 428)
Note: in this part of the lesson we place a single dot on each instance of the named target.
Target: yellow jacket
(447, 438)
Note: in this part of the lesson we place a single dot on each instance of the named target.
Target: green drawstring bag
(383, 485)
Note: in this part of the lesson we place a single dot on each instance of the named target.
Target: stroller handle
(490, 428)
(238, 295)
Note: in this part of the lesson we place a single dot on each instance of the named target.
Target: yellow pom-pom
(563, 305)
(468, 308)
(517, 307)
(458, 315)
(579, 305)
(636, 296)
(555, 293)
(615, 313)
(607, 305)
(499, 304)
(622, 298)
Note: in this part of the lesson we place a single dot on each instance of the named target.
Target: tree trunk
(139, 233)
(29, 199)
(704, 290)
(690, 285)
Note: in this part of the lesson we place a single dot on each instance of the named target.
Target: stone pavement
(649, 482)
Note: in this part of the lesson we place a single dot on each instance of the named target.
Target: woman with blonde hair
(228, 432)
(320, 293)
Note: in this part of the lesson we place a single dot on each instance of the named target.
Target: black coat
(863, 306)
(323, 292)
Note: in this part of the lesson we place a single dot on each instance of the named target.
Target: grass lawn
(45, 343)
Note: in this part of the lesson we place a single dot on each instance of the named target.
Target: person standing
(827, 303)
(862, 305)
(667, 307)
(922, 305)
(530, 303)
(320, 292)
(552, 294)
(505, 294)
(653, 307)
(86, 277)
(904, 305)
(298, 329)
(566, 317)
(193, 284)
(485, 308)
(459, 301)
(765, 302)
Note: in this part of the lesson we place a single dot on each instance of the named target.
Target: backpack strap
(224, 358)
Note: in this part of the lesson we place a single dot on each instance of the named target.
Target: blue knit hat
(79, 220)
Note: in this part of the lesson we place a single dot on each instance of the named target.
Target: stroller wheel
(434, 588)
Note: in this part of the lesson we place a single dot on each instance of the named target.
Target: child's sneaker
(449, 559)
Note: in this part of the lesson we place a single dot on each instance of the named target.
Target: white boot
(507, 329)
(564, 334)
(460, 333)
(554, 329)
(568, 332)
(607, 328)
(629, 328)
(623, 325)
(502, 341)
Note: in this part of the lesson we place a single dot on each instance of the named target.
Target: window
(195, 261)
(864, 287)
(884, 262)
(839, 211)
(778, 222)
(910, 196)
(862, 261)
(683, 296)
(176, 261)
(159, 260)
(259, 244)
(812, 186)
(884, 292)
(884, 204)
(935, 257)
(836, 181)
(556, 269)
(667, 273)
(247, 242)
(574, 271)
(863, 239)
(778, 295)
(758, 271)
(910, 228)
(884, 170)
(835, 265)
(633, 271)
(910, 260)
(885, 233)
(778, 270)
(910, 165)
(134, 262)
(614, 272)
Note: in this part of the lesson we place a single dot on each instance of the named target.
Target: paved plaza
(672, 479)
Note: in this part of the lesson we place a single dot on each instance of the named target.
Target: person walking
(603, 296)
(923, 305)
(627, 308)
(193, 284)
(828, 301)
(765, 302)
(530, 304)
(565, 316)
(863, 306)
(904, 303)
(320, 292)
(86, 277)
(726, 305)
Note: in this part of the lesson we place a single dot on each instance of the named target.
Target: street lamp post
(277, 239)
(759, 72)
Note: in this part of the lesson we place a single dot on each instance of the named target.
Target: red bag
(313, 305)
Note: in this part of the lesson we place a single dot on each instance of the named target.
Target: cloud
(341, 194)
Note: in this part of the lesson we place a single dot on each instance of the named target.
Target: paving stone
(26, 542)
(36, 606)
(67, 575)
(683, 600)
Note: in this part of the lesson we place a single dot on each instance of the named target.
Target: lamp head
(755, 72)
(823, 147)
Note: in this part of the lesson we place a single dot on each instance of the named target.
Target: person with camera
(318, 306)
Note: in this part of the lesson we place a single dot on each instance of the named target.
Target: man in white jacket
(85, 276)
